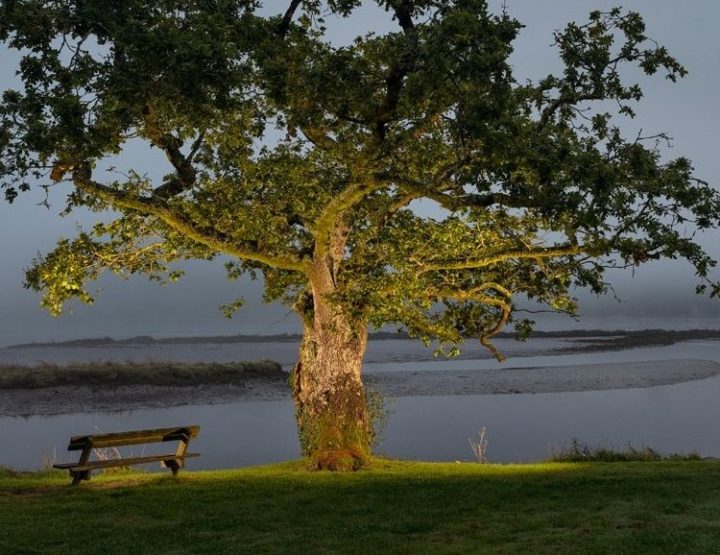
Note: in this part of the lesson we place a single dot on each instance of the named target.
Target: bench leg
(173, 465)
(79, 475)
(176, 464)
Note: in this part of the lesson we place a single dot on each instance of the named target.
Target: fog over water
(655, 296)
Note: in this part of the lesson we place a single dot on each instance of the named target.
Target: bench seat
(109, 463)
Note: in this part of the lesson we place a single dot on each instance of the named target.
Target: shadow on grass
(392, 507)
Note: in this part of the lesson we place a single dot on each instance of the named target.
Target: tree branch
(470, 294)
(171, 145)
(318, 137)
(127, 258)
(336, 209)
(552, 252)
(469, 200)
(398, 72)
(284, 25)
(438, 187)
(315, 135)
(82, 178)
(476, 294)
(399, 203)
(565, 100)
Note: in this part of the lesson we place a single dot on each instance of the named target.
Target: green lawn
(394, 507)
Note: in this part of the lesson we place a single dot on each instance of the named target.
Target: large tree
(300, 160)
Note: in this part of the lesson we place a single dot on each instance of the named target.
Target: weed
(49, 459)
(380, 408)
(479, 446)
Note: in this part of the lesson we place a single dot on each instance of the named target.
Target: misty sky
(688, 111)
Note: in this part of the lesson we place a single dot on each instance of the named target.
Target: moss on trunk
(334, 424)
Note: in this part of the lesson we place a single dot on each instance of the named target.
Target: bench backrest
(137, 437)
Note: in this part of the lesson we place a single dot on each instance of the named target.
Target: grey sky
(687, 110)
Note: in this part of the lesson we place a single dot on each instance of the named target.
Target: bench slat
(133, 438)
(108, 463)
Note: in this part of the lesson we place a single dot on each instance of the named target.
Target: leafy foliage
(301, 159)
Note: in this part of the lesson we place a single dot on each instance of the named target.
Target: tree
(300, 160)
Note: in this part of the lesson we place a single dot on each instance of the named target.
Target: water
(676, 418)
(680, 418)
(238, 434)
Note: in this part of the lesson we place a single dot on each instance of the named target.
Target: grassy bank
(136, 373)
(394, 507)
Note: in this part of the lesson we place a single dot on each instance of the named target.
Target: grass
(135, 373)
(582, 452)
(393, 507)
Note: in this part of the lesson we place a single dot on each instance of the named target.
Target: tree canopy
(301, 160)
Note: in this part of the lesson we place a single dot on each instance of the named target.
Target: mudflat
(550, 379)
(68, 399)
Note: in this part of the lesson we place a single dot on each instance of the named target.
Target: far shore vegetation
(106, 374)
(389, 507)
(589, 339)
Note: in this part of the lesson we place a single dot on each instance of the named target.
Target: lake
(521, 427)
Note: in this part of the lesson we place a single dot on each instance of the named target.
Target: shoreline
(72, 399)
(586, 339)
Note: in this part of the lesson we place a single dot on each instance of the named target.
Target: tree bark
(334, 424)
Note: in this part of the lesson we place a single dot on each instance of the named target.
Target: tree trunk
(334, 425)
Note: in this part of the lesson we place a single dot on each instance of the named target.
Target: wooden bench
(174, 461)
